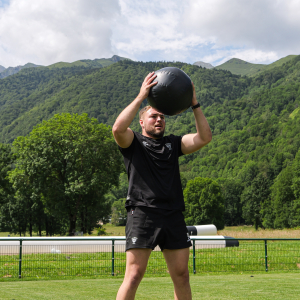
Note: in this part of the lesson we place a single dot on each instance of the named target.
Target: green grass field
(260, 286)
(282, 256)
(248, 257)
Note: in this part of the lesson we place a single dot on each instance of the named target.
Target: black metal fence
(84, 256)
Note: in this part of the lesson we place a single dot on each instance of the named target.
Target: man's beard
(157, 135)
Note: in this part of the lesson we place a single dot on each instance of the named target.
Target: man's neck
(144, 133)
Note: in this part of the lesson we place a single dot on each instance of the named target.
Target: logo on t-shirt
(145, 143)
(169, 145)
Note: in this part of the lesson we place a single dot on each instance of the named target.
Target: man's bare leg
(136, 264)
(177, 261)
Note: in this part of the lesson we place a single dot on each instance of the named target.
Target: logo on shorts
(189, 239)
(169, 145)
(134, 239)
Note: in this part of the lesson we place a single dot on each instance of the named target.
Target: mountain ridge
(203, 64)
(254, 120)
(85, 63)
(241, 67)
(13, 70)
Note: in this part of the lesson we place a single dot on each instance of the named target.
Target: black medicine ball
(173, 92)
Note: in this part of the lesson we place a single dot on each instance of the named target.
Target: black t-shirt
(153, 172)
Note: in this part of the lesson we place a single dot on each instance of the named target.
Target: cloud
(153, 26)
(264, 28)
(214, 31)
(220, 56)
(45, 32)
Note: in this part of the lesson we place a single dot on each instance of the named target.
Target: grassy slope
(278, 62)
(261, 286)
(87, 63)
(241, 67)
(233, 231)
(13, 70)
(250, 232)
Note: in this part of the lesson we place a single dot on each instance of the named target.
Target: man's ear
(142, 123)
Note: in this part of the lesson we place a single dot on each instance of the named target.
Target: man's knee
(182, 275)
(134, 277)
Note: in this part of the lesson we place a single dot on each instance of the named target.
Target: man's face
(153, 123)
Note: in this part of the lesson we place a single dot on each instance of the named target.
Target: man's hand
(147, 84)
(122, 133)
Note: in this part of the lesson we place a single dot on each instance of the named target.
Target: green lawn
(248, 257)
(260, 286)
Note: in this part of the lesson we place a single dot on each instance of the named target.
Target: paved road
(60, 245)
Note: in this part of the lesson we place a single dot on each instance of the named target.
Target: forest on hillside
(254, 156)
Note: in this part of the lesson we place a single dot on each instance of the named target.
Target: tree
(71, 161)
(26, 205)
(252, 198)
(282, 198)
(6, 161)
(6, 189)
(119, 213)
(295, 222)
(120, 191)
(296, 176)
(232, 191)
(204, 203)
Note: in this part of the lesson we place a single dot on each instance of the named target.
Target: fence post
(266, 255)
(112, 257)
(20, 259)
(194, 257)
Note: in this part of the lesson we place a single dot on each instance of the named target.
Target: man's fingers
(152, 84)
(149, 75)
(151, 78)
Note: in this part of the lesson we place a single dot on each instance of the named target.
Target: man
(155, 199)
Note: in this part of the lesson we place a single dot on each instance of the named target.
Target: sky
(48, 31)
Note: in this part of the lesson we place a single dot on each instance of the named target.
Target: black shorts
(148, 227)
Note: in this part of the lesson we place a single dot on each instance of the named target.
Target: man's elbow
(206, 139)
(209, 138)
(116, 130)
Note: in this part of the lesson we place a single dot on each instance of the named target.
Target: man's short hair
(143, 110)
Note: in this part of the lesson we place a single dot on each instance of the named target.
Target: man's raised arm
(121, 131)
(194, 141)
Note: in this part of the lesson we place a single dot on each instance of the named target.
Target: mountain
(1, 69)
(34, 94)
(203, 64)
(255, 122)
(13, 70)
(85, 63)
(277, 63)
(241, 67)
(88, 63)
